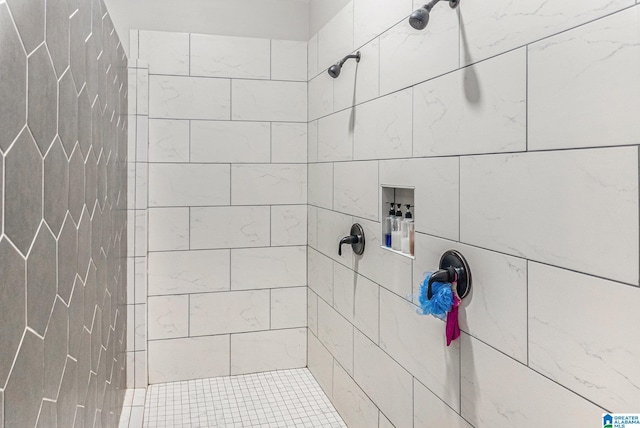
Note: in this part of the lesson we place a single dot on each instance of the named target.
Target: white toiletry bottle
(396, 230)
(405, 246)
(388, 224)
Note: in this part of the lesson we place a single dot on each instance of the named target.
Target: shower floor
(285, 398)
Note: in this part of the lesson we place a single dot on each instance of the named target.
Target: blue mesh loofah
(441, 299)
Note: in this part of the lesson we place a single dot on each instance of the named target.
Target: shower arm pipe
(356, 56)
(432, 3)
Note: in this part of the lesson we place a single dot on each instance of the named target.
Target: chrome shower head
(335, 69)
(420, 17)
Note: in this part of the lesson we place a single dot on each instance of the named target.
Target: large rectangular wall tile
(418, 343)
(188, 184)
(320, 275)
(332, 227)
(312, 142)
(142, 185)
(229, 227)
(384, 381)
(336, 334)
(503, 25)
(479, 109)
(500, 392)
(585, 350)
(496, 310)
(229, 312)
(269, 100)
(358, 81)
(357, 410)
(289, 60)
(312, 311)
(356, 298)
(289, 142)
(167, 53)
(335, 136)
(225, 56)
(168, 140)
(188, 358)
(409, 56)
(168, 229)
(312, 226)
(355, 187)
(555, 207)
(288, 307)
(320, 363)
(143, 91)
(268, 350)
(321, 185)
(383, 127)
(562, 112)
(335, 39)
(370, 18)
(273, 267)
(235, 142)
(288, 225)
(430, 411)
(142, 226)
(259, 184)
(178, 97)
(168, 317)
(320, 96)
(142, 138)
(182, 272)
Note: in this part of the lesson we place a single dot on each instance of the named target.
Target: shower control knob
(356, 239)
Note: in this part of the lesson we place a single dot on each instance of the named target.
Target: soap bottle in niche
(396, 230)
(407, 232)
(388, 224)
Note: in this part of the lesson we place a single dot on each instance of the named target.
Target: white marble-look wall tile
(332, 227)
(418, 343)
(168, 317)
(188, 358)
(409, 56)
(142, 185)
(585, 350)
(320, 95)
(355, 188)
(357, 410)
(321, 185)
(271, 267)
(312, 311)
(228, 56)
(430, 411)
(131, 327)
(320, 276)
(433, 179)
(312, 57)
(140, 267)
(229, 227)
(289, 142)
(358, 81)
(234, 142)
(131, 185)
(183, 272)
(131, 361)
(555, 207)
(269, 100)
(312, 226)
(268, 350)
(498, 391)
(168, 140)
(384, 381)
(496, 309)
(132, 98)
(288, 225)
(370, 18)
(142, 91)
(383, 127)
(336, 334)
(179, 97)
(356, 298)
(268, 184)
(142, 138)
(229, 312)
(335, 39)
(335, 136)
(141, 229)
(383, 421)
(140, 327)
(188, 184)
(131, 131)
(570, 104)
(478, 109)
(141, 380)
(288, 307)
(320, 363)
(289, 60)
(168, 229)
(312, 141)
(502, 25)
(167, 53)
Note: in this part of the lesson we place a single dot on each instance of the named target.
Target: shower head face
(419, 18)
(334, 70)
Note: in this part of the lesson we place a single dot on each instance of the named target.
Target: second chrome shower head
(335, 69)
(420, 17)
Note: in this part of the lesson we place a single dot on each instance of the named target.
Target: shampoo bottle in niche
(388, 225)
(406, 245)
(396, 230)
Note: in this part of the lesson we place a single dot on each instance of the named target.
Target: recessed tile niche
(402, 196)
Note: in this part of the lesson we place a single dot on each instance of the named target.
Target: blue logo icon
(607, 421)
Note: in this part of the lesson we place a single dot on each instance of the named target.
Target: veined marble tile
(498, 391)
(183, 272)
(229, 227)
(268, 184)
(387, 383)
(288, 307)
(321, 185)
(383, 127)
(140, 267)
(312, 57)
(333, 226)
(320, 275)
(228, 56)
(168, 317)
(269, 100)
(289, 142)
(231, 142)
(142, 91)
(132, 94)
(142, 187)
(272, 267)
(358, 81)
(289, 60)
(131, 133)
(335, 136)
(479, 109)
(570, 104)
(356, 298)
(312, 141)
(228, 312)
(409, 56)
(288, 225)
(142, 138)
(430, 411)
(383, 421)
(268, 350)
(320, 363)
(312, 311)
(372, 17)
(312, 226)
(167, 52)
(168, 229)
(179, 97)
(168, 140)
(555, 207)
(188, 184)
(355, 188)
(335, 39)
(320, 95)
(336, 334)
(490, 29)
(357, 410)
(142, 226)
(582, 339)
